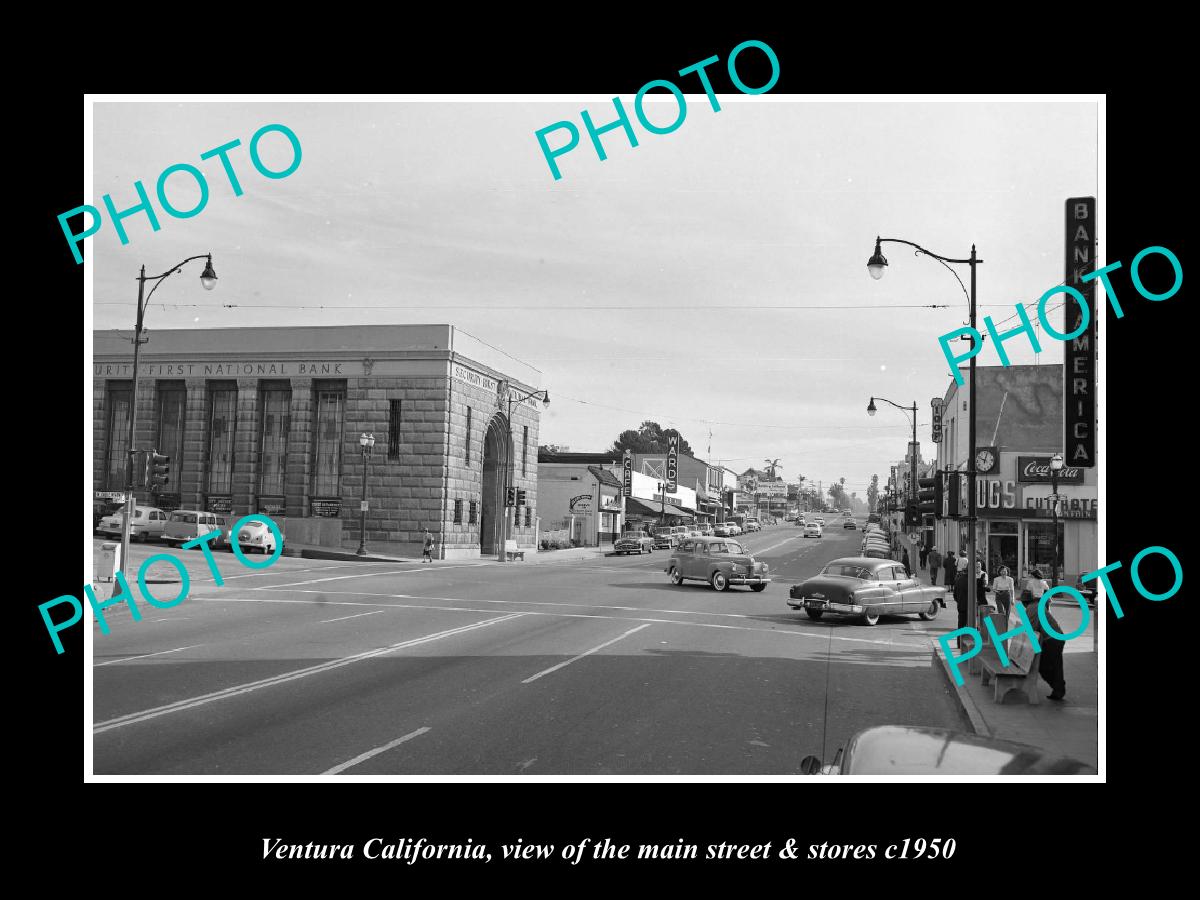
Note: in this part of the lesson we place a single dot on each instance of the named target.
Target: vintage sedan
(634, 542)
(719, 561)
(813, 529)
(867, 588)
(148, 522)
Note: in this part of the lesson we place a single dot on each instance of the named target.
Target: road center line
(583, 654)
(355, 616)
(180, 705)
(363, 757)
(113, 662)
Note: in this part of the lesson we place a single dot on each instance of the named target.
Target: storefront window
(221, 431)
(172, 401)
(1039, 546)
(275, 404)
(327, 460)
(117, 439)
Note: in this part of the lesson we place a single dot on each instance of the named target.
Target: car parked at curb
(186, 524)
(634, 542)
(147, 522)
(719, 561)
(867, 588)
(256, 535)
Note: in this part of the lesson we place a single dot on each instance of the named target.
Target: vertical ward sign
(1079, 354)
(672, 462)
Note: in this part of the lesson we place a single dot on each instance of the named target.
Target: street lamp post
(912, 452)
(662, 516)
(1056, 465)
(366, 441)
(208, 278)
(876, 265)
(508, 463)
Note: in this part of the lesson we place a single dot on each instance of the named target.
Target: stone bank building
(268, 420)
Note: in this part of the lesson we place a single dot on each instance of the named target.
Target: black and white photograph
(523, 438)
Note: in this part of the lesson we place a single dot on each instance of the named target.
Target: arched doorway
(497, 446)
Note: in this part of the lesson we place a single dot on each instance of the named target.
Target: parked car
(706, 530)
(719, 561)
(812, 529)
(225, 524)
(721, 529)
(865, 587)
(256, 535)
(920, 750)
(186, 524)
(634, 542)
(147, 522)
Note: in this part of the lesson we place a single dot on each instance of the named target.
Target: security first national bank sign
(1079, 354)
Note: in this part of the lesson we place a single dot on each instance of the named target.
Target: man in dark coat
(1050, 663)
(960, 598)
(951, 566)
(935, 564)
(904, 562)
(922, 556)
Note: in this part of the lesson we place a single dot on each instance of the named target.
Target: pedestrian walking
(935, 564)
(950, 564)
(1050, 663)
(1004, 588)
(981, 583)
(904, 562)
(427, 554)
(1036, 586)
(923, 556)
(960, 598)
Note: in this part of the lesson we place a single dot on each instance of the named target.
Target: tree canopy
(649, 437)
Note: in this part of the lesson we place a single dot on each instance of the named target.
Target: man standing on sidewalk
(935, 563)
(1050, 663)
(950, 564)
(922, 555)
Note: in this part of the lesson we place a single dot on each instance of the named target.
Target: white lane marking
(179, 705)
(780, 544)
(818, 635)
(113, 662)
(363, 575)
(363, 757)
(583, 654)
(355, 616)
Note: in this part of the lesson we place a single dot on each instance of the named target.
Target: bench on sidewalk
(1013, 677)
(511, 551)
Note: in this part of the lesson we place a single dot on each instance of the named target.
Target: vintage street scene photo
(537, 438)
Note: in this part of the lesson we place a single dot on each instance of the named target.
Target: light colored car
(753, 525)
(634, 542)
(706, 530)
(867, 588)
(734, 528)
(721, 529)
(664, 539)
(186, 524)
(812, 529)
(256, 535)
(148, 522)
(719, 561)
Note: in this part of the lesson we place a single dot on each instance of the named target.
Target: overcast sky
(675, 281)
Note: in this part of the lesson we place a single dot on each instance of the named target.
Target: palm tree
(772, 465)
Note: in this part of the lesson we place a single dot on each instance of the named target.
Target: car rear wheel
(719, 581)
(815, 613)
(758, 588)
(676, 578)
(869, 619)
(930, 613)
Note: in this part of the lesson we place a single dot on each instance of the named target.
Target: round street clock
(985, 460)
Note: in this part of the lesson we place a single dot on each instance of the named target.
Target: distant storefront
(268, 420)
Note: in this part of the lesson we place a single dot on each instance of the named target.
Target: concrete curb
(964, 698)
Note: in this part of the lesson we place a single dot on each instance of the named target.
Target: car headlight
(738, 570)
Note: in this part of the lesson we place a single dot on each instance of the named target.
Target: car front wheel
(676, 578)
(869, 619)
(815, 613)
(758, 588)
(719, 581)
(930, 613)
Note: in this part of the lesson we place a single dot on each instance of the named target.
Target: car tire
(758, 588)
(718, 581)
(869, 619)
(814, 614)
(676, 578)
(930, 613)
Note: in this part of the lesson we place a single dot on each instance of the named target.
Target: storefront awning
(635, 507)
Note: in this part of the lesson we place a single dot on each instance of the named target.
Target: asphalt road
(597, 667)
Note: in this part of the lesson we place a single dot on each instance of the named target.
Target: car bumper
(749, 579)
(825, 606)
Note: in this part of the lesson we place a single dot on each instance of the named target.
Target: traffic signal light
(911, 516)
(953, 495)
(510, 497)
(158, 470)
(928, 494)
(139, 462)
(521, 497)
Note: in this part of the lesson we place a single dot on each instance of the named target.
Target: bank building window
(327, 460)
(468, 461)
(172, 402)
(118, 440)
(393, 429)
(471, 512)
(457, 512)
(222, 427)
(272, 440)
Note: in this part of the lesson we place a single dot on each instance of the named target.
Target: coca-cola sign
(1036, 470)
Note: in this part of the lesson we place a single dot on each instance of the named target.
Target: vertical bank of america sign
(672, 463)
(1079, 354)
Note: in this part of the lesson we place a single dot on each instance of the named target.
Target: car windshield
(725, 547)
(847, 569)
(632, 536)
(188, 518)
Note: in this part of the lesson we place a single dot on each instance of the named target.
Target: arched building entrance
(497, 459)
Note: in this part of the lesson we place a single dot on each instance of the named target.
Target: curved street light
(545, 398)
(876, 266)
(208, 278)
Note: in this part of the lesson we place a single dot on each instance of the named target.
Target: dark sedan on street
(866, 588)
(719, 561)
(634, 542)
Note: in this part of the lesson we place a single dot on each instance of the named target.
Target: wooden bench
(1011, 677)
(511, 551)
